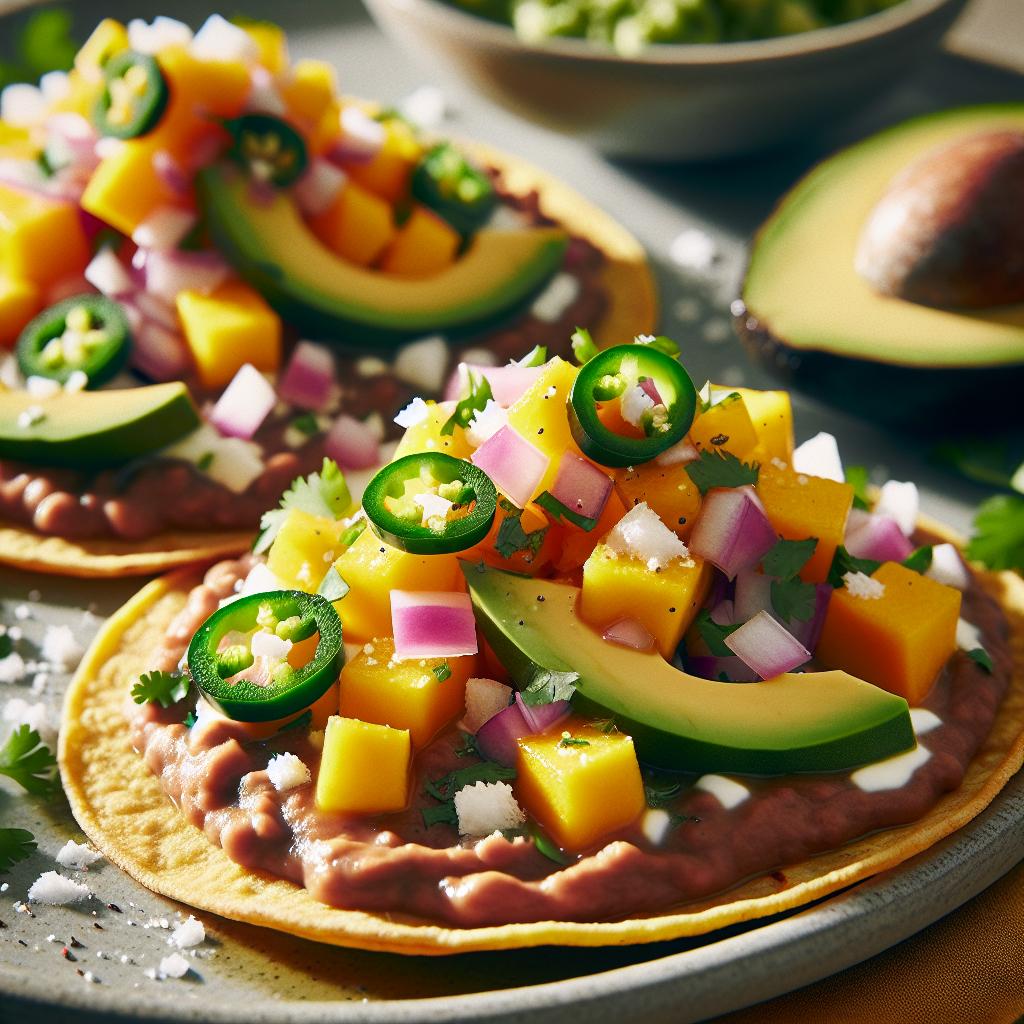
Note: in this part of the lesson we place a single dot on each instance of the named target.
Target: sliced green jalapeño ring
(268, 149)
(134, 96)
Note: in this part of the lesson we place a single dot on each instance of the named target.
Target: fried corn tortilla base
(125, 813)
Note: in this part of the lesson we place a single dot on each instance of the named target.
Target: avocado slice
(801, 722)
(93, 429)
(271, 247)
(811, 318)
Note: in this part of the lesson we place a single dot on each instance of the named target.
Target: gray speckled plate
(244, 974)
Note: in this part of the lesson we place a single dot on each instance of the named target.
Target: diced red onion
(432, 624)
(808, 632)
(724, 613)
(753, 594)
(877, 537)
(819, 456)
(156, 309)
(541, 717)
(168, 273)
(901, 501)
(732, 531)
(767, 647)
(75, 137)
(721, 589)
(317, 189)
(629, 633)
(309, 376)
(352, 443)
(22, 105)
(244, 405)
(496, 738)
(134, 317)
(508, 383)
(159, 354)
(650, 389)
(108, 274)
(264, 95)
(709, 667)
(361, 137)
(581, 487)
(948, 567)
(515, 465)
(681, 452)
(171, 173)
(164, 228)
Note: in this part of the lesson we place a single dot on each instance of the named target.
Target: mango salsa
(364, 768)
(358, 225)
(388, 173)
(771, 413)
(667, 489)
(425, 244)
(725, 427)
(304, 548)
(29, 226)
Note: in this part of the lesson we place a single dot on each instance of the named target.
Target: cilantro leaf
(857, 478)
(998, 540)
(660, 789)
(573, 741)
(537, 356)
(981, 657)
(548, 685)
(793, 599)
(583, 347)
(6, 645)
(788, 557)
(333, 586)
(512, 538)
(714, 635)
(720, 469)
(547, 847)
(442, 814)
(189, 720)
(320, 494)
(163, 688)
(306, 424)
(478, 394)
(442, 671)
(28, 761)
(920, 560)
(15, 845)
(843, 562)
(445, 788)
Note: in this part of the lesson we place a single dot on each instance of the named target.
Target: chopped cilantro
(478, 394)
(15, 845)
(981, 657)
(572, 741)
(606, 725)
(788, 557)
(920, 560)
(548, 685)
(843, 562)
(583, 346)
(307, 424)
(998, 539)
(857, 478)
(512, 538)
(445, 788)
(189, 720)
(6, 645)
(713, 634)
(333, 586)
(720, 469)
(28, 761)
(547, 847)
(468, 747)
(321, 494)
(793, 599)
(441, 814)
(537, 356)
(204, 462)
(163, 688)
(442, 671)
(660, 789)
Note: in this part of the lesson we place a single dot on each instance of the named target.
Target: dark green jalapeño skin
(134, 96)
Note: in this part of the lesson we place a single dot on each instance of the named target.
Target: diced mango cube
(108, 38)
(617, 587)
(309, 90)
(533, 556)
(771, 412)
(389, 173)
(426, 435)
(304, 548)
(668, 490)
(358, 225)
(425, 244)
(414, 694)
(800, 506)
(364, 768)
(198, 87)
(373, 569)
(539, 416)
(41, 241)
(725, 427)
(16, 143)
(228, 328)
(898, 641)
(578, 545)
(272, 43)
(20, 300)
(580, 793)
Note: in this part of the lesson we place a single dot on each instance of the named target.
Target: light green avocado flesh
(271, 246)
(92, 429)
(802, 722)
(803, 288)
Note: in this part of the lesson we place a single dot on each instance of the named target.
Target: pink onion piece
(541, 717)
(361, 137)
(508, 383)
(352, 444)
(721, 589)
(317, 189)
(309, 376)
(753, 594)
(629, 633)
(168, 273)
(767, 647)
(158, 310)
(732, 531)
(159, 354)
(877, 537)
(515, 465)
(581, 487)
(244, 405)
(724, 613)
(108, 274)
(171, 173)
(65, 288)
(808, 632)
(432, 624)
(709, 667)
(496, 738)
(650, 389)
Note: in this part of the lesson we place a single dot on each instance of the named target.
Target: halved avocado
(811, 318)
(802, 722)
(93, 429)
(272, 248)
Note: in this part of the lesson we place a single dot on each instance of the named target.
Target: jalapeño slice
(134, 96)
(454, 188)
(284, 689)
(612, 376)
(268, 149)
(404, 505)
(86, 332)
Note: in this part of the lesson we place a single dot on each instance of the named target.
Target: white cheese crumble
(287, 771)
(655, 825)
(77, 855)
(487, 807)
(635, 402)
(422, 363)
(60, 647)
(269, 645)
(556, 298)
(899, 501)
(77, 381)
(484, 699)
(948, 567)
(728, 792)
(425, 107)
(968, 637)
(640, 533)
(12, 668)
(414, 413)
(486, 422)
(189, 933)
(18, 712)
(30, 417)
(174, 966)
(863, 586)
(693, 249)
(42, 387)
(922, 720)
(819, 456)
(54, 890)
(892, 773)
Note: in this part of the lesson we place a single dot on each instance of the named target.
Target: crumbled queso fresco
(860, 585)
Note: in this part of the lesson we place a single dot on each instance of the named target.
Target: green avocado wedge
(94, 429)
(270, 245)
(801, 722)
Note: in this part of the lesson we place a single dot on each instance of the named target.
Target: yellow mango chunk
(16, 143)
(364, 768)
(304, 549)
(725, 427)
(425, 244)
(373, 569)
(20, 300)
(358, 225)
(228, 328)
(668, 490)
(580, 793)
(539, 416)
(617, 587)
(771, 412)
(800, 506)
(272, 43)
(426, 435)
(309, 90)
(30, 229)
(108, 38)
(578, 545)
(124, 190)
(404, 694)
(898, 641)
(389, 173)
